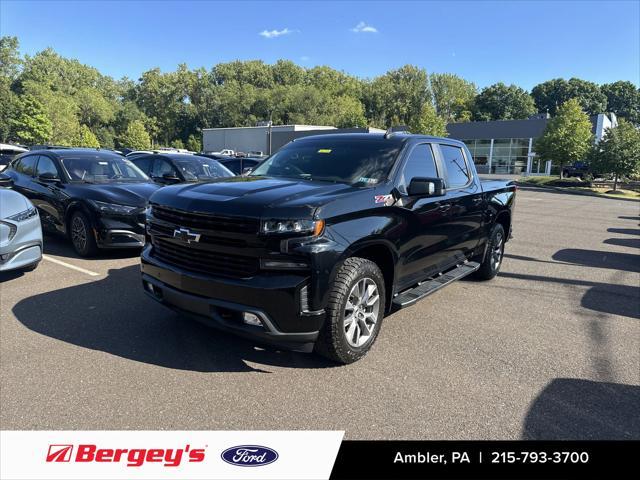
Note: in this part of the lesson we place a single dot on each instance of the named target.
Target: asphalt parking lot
(549, 349)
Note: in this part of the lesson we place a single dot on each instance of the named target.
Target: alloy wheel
(496, 253)
(361, 312)
(79, 234)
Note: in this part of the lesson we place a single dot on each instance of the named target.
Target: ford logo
(249, 455)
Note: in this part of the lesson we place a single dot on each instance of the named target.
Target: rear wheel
(492, 262)
(82, 235)
(354, 312)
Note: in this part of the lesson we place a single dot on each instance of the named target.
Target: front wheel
(82, 235)
(490, 266)
(354, 312)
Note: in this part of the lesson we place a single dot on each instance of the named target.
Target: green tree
(567, 137)
(10, 63)
(549, 95)
(623, 99)
(503, 102)
(32, 124)
(86, 138)
(177, 143)
(397, 97)
(135, 137)
(618, 153)
(194, 144)
(453, 96)
(429, 122)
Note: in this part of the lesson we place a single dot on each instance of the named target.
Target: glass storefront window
(509, 155)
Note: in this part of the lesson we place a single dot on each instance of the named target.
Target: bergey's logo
(249, 455)
(59, 453)
(186, 235)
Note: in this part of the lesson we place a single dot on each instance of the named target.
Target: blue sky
(517, 42)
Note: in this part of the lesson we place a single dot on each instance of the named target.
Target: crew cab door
(464, 194)
(423, 240)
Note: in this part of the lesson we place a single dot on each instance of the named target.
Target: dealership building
(498, 147)
(508, 146)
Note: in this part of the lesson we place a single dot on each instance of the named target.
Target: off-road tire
(332, 342)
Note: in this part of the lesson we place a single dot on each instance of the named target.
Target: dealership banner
(108, 455)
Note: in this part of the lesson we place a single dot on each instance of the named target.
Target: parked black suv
(326, 237)
(169, 168)
(95, 197)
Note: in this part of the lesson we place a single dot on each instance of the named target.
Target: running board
(409, 297)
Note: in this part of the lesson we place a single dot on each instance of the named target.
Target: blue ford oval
(249, 455)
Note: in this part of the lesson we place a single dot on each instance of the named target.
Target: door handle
(477, 200)
(444, 207)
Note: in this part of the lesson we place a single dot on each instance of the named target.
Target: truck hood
(253, 196)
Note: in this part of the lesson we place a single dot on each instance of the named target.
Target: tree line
(47, 98)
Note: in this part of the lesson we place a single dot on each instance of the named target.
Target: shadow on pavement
(113, 315)
(624, 242)
(627, 262)
(624, 231)
(637, 219)
(611, 298)
(11, 275)
(575, 409)
(59, 246)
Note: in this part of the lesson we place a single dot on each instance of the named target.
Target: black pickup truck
(325, 238)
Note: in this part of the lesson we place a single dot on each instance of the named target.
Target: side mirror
(6, 181)
(48, 177)
(426, 187)
(168, 178)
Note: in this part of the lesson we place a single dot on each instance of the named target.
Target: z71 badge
(386, 199)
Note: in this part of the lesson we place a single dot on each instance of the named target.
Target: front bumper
(25, 247)
(277, 299)
(120, 231)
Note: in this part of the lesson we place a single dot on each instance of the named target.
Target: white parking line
(68, 265)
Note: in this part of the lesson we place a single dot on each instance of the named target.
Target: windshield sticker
(367, 180)
(324, 150)
(386, 199)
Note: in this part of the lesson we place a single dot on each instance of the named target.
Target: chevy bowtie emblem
(186, 235)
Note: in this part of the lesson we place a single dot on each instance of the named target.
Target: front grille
(204, 261)
(166, 230)
(206, 221)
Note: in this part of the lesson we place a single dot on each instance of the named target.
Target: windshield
(356, 162)
(200, 168)
(102, 169)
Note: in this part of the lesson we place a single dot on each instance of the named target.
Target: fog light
(251, 319)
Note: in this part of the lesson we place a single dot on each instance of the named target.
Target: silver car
(20, 231)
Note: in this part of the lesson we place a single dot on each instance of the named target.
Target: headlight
(114, 207)
(314, 227)
(25, 215)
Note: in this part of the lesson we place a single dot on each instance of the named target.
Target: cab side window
(458, 174)
(46, 165)
(419, 164)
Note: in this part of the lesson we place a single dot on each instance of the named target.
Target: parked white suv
(20, 230)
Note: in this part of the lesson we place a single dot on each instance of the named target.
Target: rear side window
(46, 165)
(144, 164)
(27, 165)
(458, 174)
(419, 164)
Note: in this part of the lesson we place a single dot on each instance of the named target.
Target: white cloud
(362, 27)
(275, 33)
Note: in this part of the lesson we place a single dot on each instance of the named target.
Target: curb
(575, 192)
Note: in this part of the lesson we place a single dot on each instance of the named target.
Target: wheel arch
(383, 255)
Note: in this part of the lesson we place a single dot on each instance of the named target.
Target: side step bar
(409, 297)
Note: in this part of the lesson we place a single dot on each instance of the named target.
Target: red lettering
(85, 453)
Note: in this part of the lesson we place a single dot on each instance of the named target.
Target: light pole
(270, 130)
